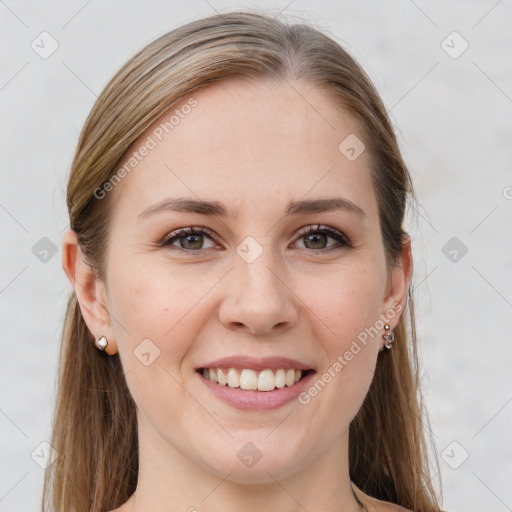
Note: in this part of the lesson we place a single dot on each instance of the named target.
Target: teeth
(221, 376)
(233, 378)
(266, 381)
(280, 378)
(248, 379)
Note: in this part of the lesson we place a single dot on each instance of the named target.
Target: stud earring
(389, 337)
(101, 343)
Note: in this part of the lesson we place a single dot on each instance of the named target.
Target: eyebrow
(214, 208)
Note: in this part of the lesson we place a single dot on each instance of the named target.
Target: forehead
(239, 142)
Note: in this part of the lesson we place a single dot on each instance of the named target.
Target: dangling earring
(389, 337)
(101, 343)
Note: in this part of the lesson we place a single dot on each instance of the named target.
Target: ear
(398, 285)
(89, 289)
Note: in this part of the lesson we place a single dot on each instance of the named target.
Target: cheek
(156, 302)
(156, 321)
(347, 302)
(349, 332)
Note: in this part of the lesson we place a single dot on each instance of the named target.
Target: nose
(258, 299)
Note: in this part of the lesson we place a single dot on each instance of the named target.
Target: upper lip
(256, 363)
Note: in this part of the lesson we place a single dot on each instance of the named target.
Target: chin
(261, 473)
(256, 462)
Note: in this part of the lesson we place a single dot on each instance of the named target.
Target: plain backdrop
(444, 70)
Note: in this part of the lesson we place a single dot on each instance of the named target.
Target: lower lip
(250, 400)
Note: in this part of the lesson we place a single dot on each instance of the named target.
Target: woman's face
(254, 168)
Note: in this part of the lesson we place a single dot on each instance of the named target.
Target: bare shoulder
(123, 508)
(376, 505)
(386, 506)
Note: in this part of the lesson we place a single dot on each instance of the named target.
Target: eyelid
(337, 235)
(181, 232)
(321, 228)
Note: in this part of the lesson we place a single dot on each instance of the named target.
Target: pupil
(316, 238)
(190, 238)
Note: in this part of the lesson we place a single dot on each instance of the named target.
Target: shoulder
(122, 508)
(384, 506)
(375, 505)
(126, 506)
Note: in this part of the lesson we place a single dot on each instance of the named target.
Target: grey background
(453, 116)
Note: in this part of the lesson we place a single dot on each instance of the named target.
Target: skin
(254, 146)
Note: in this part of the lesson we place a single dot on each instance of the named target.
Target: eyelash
(307, 230)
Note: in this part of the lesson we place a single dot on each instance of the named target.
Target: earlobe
(89, 289)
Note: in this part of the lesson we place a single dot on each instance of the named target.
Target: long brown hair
(95, 427)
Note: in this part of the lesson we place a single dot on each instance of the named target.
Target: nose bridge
(259, 275)
(258, 298)
(256, 270)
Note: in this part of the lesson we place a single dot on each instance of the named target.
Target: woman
(237, 335)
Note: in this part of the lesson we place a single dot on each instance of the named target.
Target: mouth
(253, 384)
(249, 379)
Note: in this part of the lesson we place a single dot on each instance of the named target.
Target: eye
(190, 239)
(315, 237)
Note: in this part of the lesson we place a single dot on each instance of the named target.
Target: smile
(255, 384)
(252, 380)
